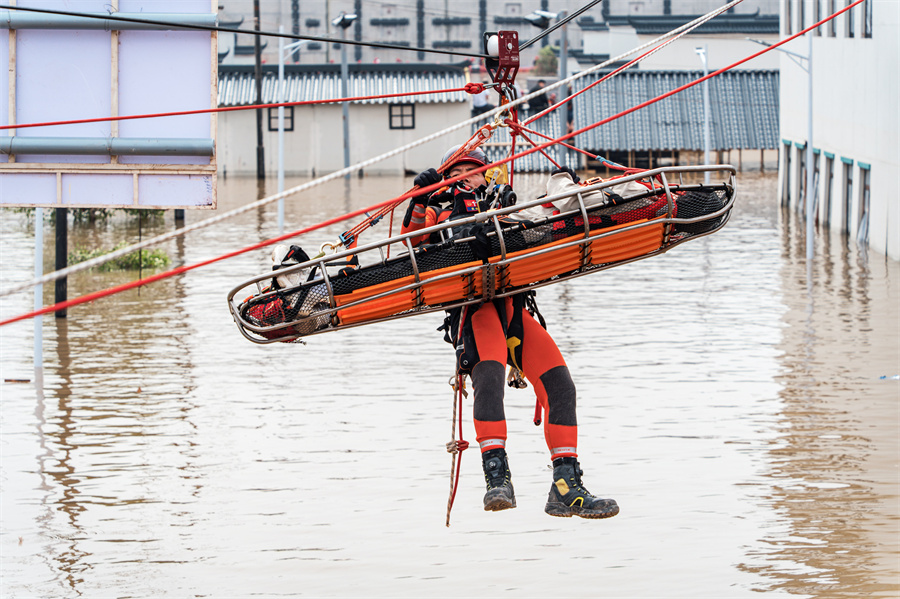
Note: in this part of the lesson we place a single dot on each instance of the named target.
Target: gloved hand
(566, 169)
(427, 177)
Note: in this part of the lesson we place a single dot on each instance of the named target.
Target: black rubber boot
(568, 497)
(500, 494)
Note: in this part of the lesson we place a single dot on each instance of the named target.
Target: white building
(313, 138)
(855, 118)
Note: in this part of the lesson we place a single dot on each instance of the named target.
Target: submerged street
(745, 422)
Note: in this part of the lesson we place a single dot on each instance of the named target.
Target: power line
(290, 36)
(559, 24)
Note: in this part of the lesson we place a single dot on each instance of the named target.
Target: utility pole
(260, 150)
(62, 257)
(344, 21)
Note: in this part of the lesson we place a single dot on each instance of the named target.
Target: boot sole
(561, 510)
(496, 504)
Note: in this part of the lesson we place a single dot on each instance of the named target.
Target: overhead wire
(559, 24)
(216, 28)
(353, 168)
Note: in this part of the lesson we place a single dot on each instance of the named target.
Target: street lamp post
(541, 19)
(702, 53)
(344, 21)
(810, 199)
(280, 98)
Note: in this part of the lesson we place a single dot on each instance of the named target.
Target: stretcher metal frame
(494, 269)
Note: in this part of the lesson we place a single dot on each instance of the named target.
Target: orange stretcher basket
(521, 255)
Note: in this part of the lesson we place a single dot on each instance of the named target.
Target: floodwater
(747, 427)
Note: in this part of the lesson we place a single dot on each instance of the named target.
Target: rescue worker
(503, 331)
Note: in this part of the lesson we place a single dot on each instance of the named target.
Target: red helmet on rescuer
(476, 156)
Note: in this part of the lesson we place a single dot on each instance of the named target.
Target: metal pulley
(503, 49)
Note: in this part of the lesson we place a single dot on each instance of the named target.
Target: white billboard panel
(78, 73)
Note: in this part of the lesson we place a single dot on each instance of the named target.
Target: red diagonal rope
(467, 89)
(427, 189)
(520, 130)
(612, 73)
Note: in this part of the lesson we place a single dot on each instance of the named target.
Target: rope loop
(456, 446)
(474, 88)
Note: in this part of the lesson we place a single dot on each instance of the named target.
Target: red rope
(427, 189)
(461, 446)
(521, 131)
(233, 108)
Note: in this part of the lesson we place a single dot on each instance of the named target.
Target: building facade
(313, 134)
(434, 24)
(855, 118)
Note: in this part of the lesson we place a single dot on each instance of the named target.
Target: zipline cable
(353, 168)
(559, 24)
(468, 88)
(291, 36)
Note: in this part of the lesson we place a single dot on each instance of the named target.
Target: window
(867, 18)
(801, 15)
(787, 17)
(786, 184)
(288, 118)
(402, 116)
(832, 25)
(829, 187)
(862, 235)
(848, 191)
(848, 20)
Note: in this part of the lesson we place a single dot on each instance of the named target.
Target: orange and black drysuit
(490, 335)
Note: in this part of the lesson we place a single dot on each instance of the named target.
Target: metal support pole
(260, 150)
(706, 141)
(280, 130)
(810, 170)
(62, 257)
(38, 289)
(563, 73)
(344, 105)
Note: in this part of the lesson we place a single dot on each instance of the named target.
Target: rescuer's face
(474, 180)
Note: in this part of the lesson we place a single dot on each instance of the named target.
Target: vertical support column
(12, 86)
(810, 170)
(260, 150)
(38, 289)
(345, 111)
(62, 257)
(114, 85)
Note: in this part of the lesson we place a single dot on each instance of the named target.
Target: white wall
(724, 49)
(856, 83)
(316, 144)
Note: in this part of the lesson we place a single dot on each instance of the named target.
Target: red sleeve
(422, 217)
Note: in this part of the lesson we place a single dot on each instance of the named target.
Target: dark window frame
(402, 115)
(288, 118)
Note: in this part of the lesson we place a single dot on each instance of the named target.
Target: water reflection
(738, 420)
(831, 472)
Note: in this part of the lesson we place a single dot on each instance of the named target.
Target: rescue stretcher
(486, 256)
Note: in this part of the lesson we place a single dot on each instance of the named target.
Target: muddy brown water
(741, 421)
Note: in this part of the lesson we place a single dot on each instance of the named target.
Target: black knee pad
(488, 381)
(560, 396)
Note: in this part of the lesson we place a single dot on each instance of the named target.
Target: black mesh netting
(301, 303)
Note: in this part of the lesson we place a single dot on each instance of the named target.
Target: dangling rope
(456, 447)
